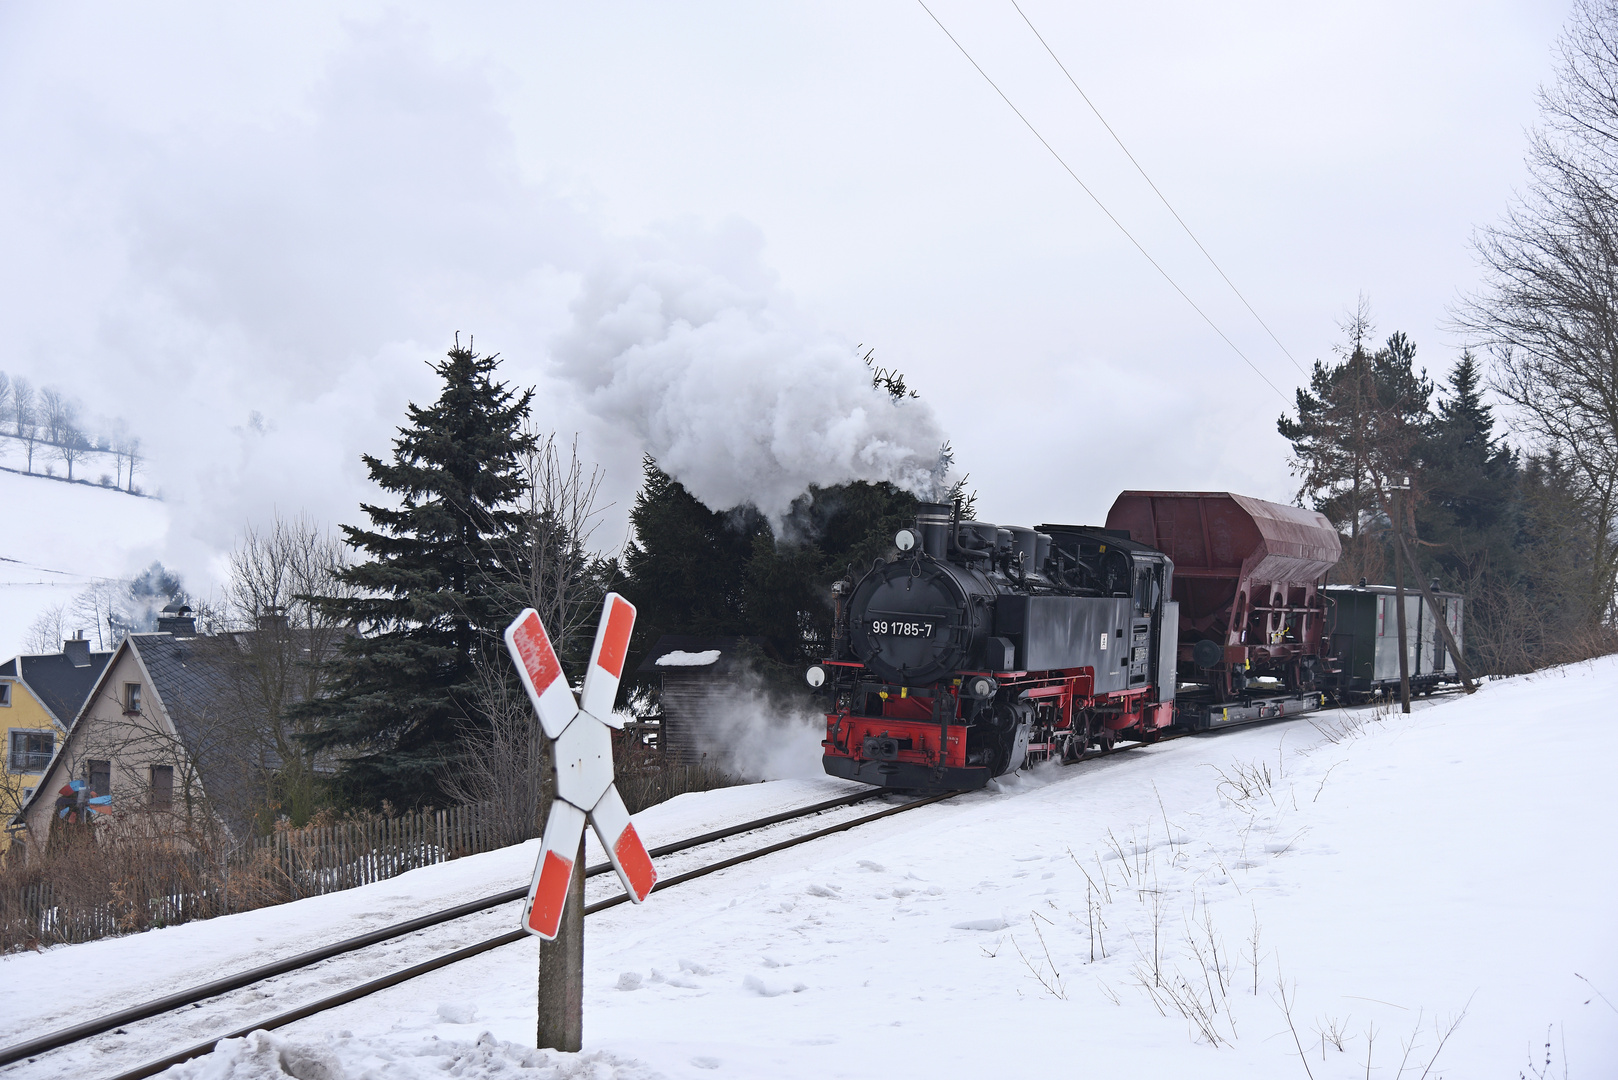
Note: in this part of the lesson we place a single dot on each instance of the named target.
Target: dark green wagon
(1362, 623)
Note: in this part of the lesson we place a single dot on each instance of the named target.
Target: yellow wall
(24, 712)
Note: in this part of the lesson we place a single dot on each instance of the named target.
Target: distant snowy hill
(1387, 880)
(60, 537)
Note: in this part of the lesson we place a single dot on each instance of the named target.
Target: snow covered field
(64, 537)
(1396, 878)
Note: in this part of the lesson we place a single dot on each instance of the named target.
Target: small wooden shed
(698, 678)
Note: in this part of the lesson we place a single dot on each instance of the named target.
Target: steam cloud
(733, 391)
(259, 290)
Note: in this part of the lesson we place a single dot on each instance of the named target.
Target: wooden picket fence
(318, 860)
(129, 880)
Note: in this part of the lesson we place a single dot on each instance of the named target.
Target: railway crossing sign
(582, 735)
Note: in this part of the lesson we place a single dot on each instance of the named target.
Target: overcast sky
(247, 229)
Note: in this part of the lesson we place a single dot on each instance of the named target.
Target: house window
(27, 793)
(30, 750)
(5, 695)
(132, 697)
(162, 786)
(100, 776)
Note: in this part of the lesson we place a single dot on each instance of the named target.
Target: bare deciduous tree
(276, 656)
(1549, 308)
(546, 565)
(46, 632)
(26, 415)
(71, 445)
(56, 413)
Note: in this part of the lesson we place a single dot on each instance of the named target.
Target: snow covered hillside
(62, 537)
(1374, 890)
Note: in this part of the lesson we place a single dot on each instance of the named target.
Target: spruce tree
(403, 684)
(1470, 516)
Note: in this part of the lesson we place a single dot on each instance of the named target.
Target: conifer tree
(1469, 520)
(404, 683)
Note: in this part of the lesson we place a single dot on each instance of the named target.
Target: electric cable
(1103, 206)
(1161, 197)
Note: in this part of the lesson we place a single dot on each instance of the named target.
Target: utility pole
(1399, 592)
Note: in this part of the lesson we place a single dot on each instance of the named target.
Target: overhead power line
(1103, 206)
(1163, 198)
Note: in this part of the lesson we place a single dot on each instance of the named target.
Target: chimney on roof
(176, 619)
(77, 650)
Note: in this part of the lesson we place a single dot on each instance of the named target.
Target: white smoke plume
(734, 392)
(749, 733)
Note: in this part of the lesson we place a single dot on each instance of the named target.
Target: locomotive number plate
(901, 628)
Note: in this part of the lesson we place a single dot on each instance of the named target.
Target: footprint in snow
(705, 1062)
(828, 891)
(980, 924)
(755, 985)
(694, 968)
(457, 1012)
(874, 867)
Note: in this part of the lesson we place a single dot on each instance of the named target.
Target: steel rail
(511, 937)
(182, 998)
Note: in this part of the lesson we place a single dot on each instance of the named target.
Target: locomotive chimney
(932, 521)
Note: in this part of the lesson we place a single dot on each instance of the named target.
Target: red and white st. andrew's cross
(583, 752)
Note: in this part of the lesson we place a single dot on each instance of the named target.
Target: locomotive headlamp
(981, 687)
(905, 540)
(816, 676)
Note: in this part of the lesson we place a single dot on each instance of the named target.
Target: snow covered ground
(62, 538)
(1385, 880)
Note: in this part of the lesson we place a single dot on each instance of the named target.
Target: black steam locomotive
(981, 646)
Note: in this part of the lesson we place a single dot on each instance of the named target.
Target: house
(171, 731)
(39, 697)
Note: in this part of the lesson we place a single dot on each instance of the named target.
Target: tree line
(46, 422)
(1521, 523)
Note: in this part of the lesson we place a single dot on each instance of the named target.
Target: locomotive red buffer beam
(896, 753)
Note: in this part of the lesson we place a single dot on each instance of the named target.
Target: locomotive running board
(1208, 717)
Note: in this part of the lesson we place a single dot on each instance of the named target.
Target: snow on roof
(688, 659)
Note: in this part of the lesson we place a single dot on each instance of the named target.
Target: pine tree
(1359, 430)
(405, 682)
(1469, 521)
(687, 566)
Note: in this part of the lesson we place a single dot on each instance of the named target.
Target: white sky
(211, 211)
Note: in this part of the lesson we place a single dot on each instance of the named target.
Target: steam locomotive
(983, 647)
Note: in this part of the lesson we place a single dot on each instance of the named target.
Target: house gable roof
(61, 686)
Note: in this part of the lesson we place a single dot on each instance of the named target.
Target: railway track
(32, 1050)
